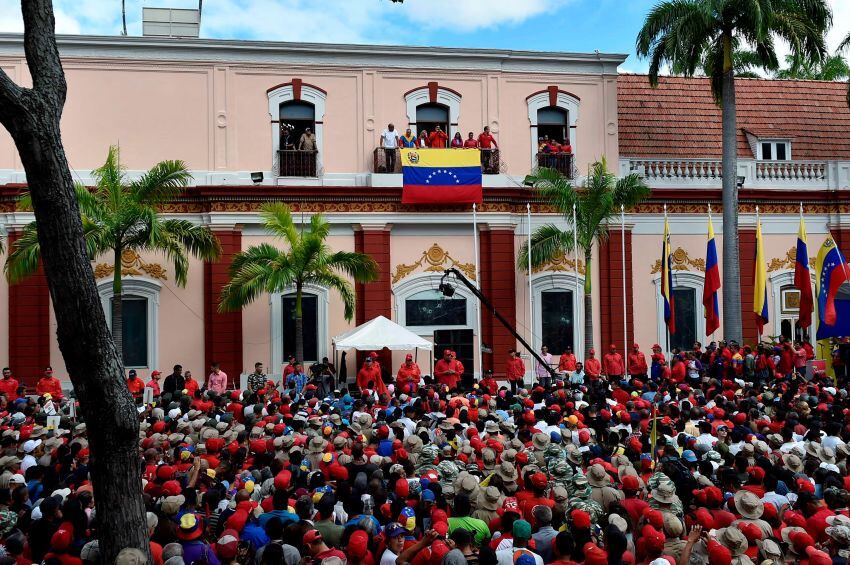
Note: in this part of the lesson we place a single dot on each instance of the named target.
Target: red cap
(62, 538)
(171, 488)
(227, 545)
(402, 488)
(594, 555)
(358, 545)
(539, 480)
(311, 536)
(156, 373)
(631, 483)
(718, 554)
(581, 519)
(283, 479)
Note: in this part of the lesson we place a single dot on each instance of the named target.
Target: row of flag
(831, 271)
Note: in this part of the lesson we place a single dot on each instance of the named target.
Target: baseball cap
(394, 530)
(311, 536)
(522, 530)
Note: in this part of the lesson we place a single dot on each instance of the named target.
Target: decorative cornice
(560, 263)
(787, 262)
(436, 259)
(681, 261)
(131, 265)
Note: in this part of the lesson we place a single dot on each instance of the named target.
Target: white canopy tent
(379, 333)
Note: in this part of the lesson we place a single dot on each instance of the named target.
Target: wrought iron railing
(387, 160)
(561, 162)
(295, 163)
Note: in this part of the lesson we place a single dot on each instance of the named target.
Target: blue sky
(547, 25)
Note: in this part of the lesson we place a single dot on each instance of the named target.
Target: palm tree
(120, 215)
(688, 34)
(832, 68)
(308, 260)
(597, 205)
(844, 45)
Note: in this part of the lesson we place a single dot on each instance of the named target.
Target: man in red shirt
(637, 363)
(471, 142)
(786, 359)
(407, 379)
(612, 364)
(135, 384)
(369, 374)
(486, 139)
(515, 370)
(9, 385)
(48, 384)
(448, 370)
(567, 362)
(592, 366)
(154, 383)
(438, 139)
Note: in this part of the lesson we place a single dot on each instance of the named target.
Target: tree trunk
(299, 325)
(588, 306)
(32, 118)
(118, 307)
(732, 328)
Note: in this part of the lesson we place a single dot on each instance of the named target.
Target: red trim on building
(29, 325)
(432, 92)
(222, 331)
(301, 85)
(553, 95)
(498, 283)
(611, 292)
(296, 88)
(436, 87)
(747, 258)
(549, 89)
(375, 298)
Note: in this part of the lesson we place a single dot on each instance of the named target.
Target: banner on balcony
(441, 176)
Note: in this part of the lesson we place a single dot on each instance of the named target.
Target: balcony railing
(561, 162)
(386, 160)
(294, 163)
(709, 172)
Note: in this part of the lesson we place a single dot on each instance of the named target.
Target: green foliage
(831, 68)
(118, 214)
(706, 35)
(306, 260)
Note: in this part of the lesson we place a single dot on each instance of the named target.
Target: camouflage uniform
(580, 499)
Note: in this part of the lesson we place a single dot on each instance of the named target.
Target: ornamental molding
(131, 265)
(787, 262)
(559, 263)
(435, 260)
(680, 261)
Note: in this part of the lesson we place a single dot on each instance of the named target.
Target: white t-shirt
(389, 139)
(388, 558)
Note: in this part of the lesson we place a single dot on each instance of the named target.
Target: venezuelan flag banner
(667, 280)
(760, 284)
(803, 277)
(831, 272)
(441, 176)
(712, 283)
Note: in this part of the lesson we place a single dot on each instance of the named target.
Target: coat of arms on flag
(441, 176)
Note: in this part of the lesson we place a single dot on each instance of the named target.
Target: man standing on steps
(612, 364)
(174, 382)
(217, 381)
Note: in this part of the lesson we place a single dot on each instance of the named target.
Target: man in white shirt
(389, 141)
(33, 450)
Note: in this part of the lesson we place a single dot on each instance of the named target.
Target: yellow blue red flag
(831, 272)
(803, 277)
(760, 283)
(712, 283)
(441, 176)
(667, 280)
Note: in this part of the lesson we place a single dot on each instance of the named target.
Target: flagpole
(625, 309)
(530, 295)
(477, 284)
(670, 290)
(576, 347)
(758, 228)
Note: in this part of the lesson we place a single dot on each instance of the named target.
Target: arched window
(139, 318)
(314, 312)
(301, 105)
(296, 117)
(553, 123)
(553, 112)
(687, 305)
(429, 116)
(557, 312)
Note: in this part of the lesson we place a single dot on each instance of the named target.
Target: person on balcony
(471, 142)
(438, 139)
(390, 142)
(487, 143)
(286, 141)
(308, 141)
(423, 141)
(457, 141)
(408, 139)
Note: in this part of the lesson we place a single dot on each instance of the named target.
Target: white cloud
(840, 23)
(470, 15)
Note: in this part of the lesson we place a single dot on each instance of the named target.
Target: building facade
(235, 111)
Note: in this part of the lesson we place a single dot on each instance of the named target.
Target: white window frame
(423, 282)
(141, 287)
(562, 281)
(680, 279)
(309, 94)
(565, 102)
(773, 143)
(446, 97)
(781, 279)
(276, 305)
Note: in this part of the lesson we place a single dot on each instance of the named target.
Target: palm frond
(319, 226)
(199, 241)
(277, 218)
(343, 287)
(251, 280)
(554, 187)
(547, 243)
(163, 182)
(24, 256)
(358, 266)
(109, 180)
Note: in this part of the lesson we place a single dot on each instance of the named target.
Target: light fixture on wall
(741, 180)
(257, 177)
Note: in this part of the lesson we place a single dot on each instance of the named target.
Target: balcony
(708, 173)
(294, 163)
(561, 162)
(388, 161)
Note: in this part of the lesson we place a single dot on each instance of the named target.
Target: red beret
(581, 519)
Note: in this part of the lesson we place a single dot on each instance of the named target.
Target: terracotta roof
(680, 119)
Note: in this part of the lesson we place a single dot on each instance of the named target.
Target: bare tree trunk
(732, 326)
(588, 306)
(117, 314)
(299, 325)
(32, 118)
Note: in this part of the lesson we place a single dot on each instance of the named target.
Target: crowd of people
(723, 455)
(392, 141)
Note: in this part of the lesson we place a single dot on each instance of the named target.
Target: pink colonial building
(235, 111)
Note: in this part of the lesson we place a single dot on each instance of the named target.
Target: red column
(375, 298)
(611, 291)
(222, 331)
(747, 257)
(498, 283)
(29, 326)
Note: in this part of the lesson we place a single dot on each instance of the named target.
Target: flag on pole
(667, 280)
(803, 277)
(831, 272)
(712, 283)
(760, 285)
(440, 176)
